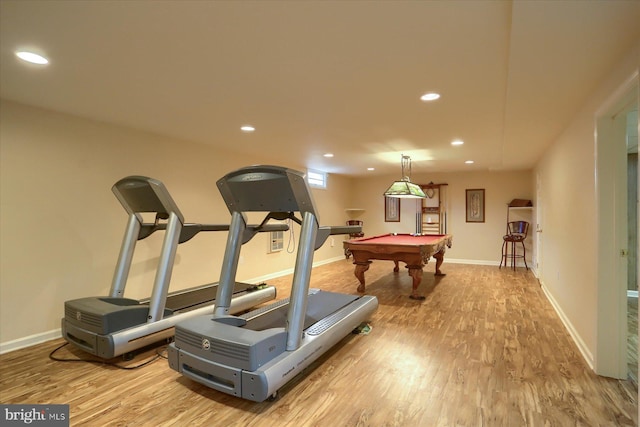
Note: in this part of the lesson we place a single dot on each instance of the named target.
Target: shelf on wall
(354, 212)
(520, 203)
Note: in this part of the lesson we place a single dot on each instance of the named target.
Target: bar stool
(516, 233)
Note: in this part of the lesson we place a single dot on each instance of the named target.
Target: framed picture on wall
(391, 209)
(475, 205)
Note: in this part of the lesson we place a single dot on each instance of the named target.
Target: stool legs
(503, 257)
(512, 256)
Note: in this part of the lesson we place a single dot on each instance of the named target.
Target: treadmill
(254, 354)
(113, 325)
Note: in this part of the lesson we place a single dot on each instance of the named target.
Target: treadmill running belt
(191, 299)
(319, 306)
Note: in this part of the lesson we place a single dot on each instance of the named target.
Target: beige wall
(472, 242)
(62, 227)
(570, 252)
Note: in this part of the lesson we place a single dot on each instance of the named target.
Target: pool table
(412, 249)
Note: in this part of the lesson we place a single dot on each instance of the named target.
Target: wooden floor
(484, 349)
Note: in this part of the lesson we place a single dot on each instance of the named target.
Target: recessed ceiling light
(431, 96)
(371, 169)
(328, 155)
(247, 128)
(469, 162)
(457, 142)
(34, 58)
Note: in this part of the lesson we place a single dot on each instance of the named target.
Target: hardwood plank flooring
(484, 349)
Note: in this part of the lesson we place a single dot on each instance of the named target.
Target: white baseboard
(582, 347)
(471, 261)
(481, 262)
(19, 343)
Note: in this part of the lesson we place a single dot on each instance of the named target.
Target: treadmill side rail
(165, 268)
(126, 256)
(229, 264)
(301, 277)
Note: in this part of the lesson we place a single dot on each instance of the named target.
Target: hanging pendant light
(405, 188)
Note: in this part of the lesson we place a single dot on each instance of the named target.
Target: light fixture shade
(405, 189)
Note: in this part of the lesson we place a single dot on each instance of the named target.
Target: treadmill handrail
(190, 230)
(252, 230)
(325, 231)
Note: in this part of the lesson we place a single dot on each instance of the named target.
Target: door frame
(539, 215)
(610, 192)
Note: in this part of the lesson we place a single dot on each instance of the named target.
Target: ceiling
(324, 76)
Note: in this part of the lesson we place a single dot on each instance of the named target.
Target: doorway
(539, 212)
(613, 232)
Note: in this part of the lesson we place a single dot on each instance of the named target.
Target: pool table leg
(439, 259)
(359, 273)
(416, 274)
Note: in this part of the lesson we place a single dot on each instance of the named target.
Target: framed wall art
(475, 205)
(391, 209)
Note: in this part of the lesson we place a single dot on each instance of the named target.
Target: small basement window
(317, 179)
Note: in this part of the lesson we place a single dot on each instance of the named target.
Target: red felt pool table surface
(402, 239)
(413, 250)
